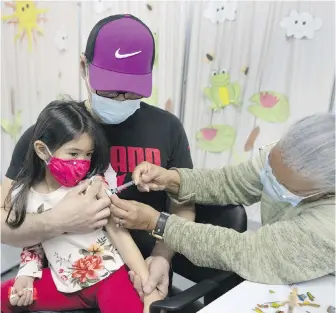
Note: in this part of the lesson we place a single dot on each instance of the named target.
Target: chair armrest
(184, 298)
(220, 278)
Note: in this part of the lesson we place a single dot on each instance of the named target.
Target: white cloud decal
(220, 11)
(61, 40)
(301, 25)
(101, 6)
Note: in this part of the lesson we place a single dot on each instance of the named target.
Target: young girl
(85, 270)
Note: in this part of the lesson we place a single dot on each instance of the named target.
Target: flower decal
(270, 106)
(216, 138)
(268, 100)
(301, 25)
(220, 11)
(87, 268)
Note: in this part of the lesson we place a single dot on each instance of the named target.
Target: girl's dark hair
(60, 122)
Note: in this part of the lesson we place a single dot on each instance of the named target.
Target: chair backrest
(229, 216)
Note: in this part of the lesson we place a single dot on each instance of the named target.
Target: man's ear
(41, 150)
(83, 66)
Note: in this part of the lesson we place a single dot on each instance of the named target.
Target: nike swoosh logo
(118, 55)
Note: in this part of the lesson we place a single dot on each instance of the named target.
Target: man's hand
(132, 214)
(78, 212)
(23, 296)
(158, 268)
(149, 299)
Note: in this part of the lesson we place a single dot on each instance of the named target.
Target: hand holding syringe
(114, 191)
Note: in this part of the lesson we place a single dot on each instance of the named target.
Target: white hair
(309, 149)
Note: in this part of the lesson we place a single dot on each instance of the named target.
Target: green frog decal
(222, 92)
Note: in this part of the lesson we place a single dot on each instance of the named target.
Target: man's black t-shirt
(150, 134)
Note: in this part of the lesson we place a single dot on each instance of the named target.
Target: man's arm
(35, 228)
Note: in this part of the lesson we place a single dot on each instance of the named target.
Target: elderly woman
(293, 179)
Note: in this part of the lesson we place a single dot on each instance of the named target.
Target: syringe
(114, 191)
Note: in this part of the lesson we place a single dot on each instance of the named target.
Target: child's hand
(149, 299)
(23, 296)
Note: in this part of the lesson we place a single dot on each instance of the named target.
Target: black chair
(210, 283)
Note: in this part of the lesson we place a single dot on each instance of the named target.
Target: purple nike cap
(120, 51)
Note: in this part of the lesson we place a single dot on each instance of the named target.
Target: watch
(159, 229)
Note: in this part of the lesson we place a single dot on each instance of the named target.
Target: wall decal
(61, 40)
(245, 70)
(301, 25)
(169, 106)
(27, 16)
(216, 138)
(101, 6)
(221, 11)
(149, 7)
(222, 92)
(270, 106)
(209, 57)
(12, 128)
(249, 144)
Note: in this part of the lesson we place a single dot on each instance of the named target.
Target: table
(245, 297)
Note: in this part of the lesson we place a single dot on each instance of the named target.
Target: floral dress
(76, 261)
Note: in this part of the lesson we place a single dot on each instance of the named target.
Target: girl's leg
(48, 297)
(117, 295)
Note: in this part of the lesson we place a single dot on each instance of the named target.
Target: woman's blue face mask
(274, 189)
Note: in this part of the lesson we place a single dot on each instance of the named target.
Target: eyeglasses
(115, 94)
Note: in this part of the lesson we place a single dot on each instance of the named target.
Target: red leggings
(114, 294)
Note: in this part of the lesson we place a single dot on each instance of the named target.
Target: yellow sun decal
(27, 16)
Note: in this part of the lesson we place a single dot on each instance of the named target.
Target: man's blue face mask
(112, 111)
(275, 190)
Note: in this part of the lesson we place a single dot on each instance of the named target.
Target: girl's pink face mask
(68, 173)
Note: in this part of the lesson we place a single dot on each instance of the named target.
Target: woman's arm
(290, 251)
(233, 184)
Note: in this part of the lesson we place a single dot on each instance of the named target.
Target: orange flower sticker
(87, 268)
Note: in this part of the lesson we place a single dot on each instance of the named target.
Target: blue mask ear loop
(88, 103)
(50, 154)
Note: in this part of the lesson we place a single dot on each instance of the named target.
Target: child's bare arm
(124, 243)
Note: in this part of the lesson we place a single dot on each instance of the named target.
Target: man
(117, 70)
